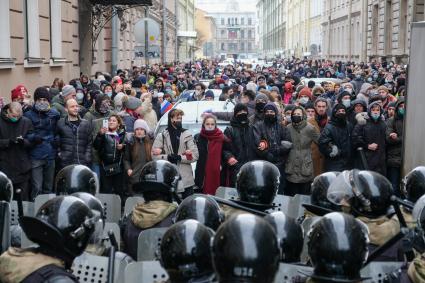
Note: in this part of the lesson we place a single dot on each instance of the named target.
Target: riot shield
(4, 226)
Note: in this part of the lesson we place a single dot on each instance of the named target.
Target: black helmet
(245, 249)
(159, 175)
(203, 208)
(337, 246)
(414, 186)
(185, 251)
(257, 183)
(367, 192)
(289, 234)
(319, 190)
(6, 188)
(76, 178)
(418, 215)
(63, 226)
(92, 202)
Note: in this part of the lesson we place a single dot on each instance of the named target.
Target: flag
(165, 107)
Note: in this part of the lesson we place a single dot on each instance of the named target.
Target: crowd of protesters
(353, 118)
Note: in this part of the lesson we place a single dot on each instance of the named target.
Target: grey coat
(299, 166)
(163, 142)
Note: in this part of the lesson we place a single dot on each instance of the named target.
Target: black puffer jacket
(372, 132)
(75, 142)
(336, 133)
(274, 134)
(241, 145)
(106, 145)
(395, 125)
(14, 158)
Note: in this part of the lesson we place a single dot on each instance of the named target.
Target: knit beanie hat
(17, 92)
(132, 103)
(140, 123)
(270, 106)
(209, 93)
(261, 96)
(305, 92)
(239, 107)
(41, 92)
(67, 90)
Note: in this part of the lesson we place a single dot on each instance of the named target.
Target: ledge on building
(31, 62)
(7, 63)
(57, 62)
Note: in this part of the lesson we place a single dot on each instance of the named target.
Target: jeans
(43, 172)
(393, 175)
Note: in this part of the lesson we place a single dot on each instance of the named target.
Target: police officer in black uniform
(6, 196)
(245, 249)
(158, 183)
(76, 178)
(186, 254)
(203, 208)
(337, 246)
(62, 228)
(413, 189)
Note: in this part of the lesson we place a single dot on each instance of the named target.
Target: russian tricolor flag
(165, 107)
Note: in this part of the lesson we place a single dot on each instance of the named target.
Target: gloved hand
(17, 141)
(38, 140)
(286, 145)
(334, 152)
(174, 158)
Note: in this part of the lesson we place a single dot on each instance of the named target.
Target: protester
(59, 101)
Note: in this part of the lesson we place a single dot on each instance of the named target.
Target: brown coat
(137, 154)
(318, 158)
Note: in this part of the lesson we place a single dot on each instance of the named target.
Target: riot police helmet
(289, 235)
(414, 184)
(203, 208)
(76, 178)
(319, 190)
(185, 252)
(245, 249)
(338, 248)
(6, 188)
(62, 226)
(257, 183)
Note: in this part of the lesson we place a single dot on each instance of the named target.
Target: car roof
(320, 80)
(188, 93)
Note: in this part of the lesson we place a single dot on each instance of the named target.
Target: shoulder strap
(44, 273)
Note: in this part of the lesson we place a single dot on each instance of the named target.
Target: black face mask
(242, 118)
(128, 91)
(178, 125)
(296, 119)
(259, 106)
(269, 118)
(341, 116)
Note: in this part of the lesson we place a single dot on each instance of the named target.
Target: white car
(226, 63)
(318, 81)
(189, 93)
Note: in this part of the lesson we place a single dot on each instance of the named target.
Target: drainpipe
(164, 33)
(114, 47)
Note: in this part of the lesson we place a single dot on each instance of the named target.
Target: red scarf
(212, 166)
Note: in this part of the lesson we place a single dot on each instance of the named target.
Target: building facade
(205, 32)
(186, 33)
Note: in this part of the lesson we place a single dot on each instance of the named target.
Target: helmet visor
(340, 191)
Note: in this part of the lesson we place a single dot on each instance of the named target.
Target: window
(236, 21)
(249, 34)
(242, 34)
(55, 29)
(242, 21)
(228, 21)
(222, 33)
(4, 30)
(242, 46)
(222, 21)
(222, 46)
(249, 21)
(32, 31)
(249, 46)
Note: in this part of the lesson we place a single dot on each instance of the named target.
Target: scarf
(212, 165)
(175, 138)
(322, 120)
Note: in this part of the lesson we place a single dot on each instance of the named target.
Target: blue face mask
(375, 116)
(109, 94)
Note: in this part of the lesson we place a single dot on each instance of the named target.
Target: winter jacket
(148, 114)
(75, 142)
(58, 103)
(299, 166)
(14, 158)
(241, 145)
(339, 134)
(372, 132)
(137, 154)
(44, 124)
(316, 155)
(394, 146)
(357, 84)
(363, 92)
(106, 146)
(128, 121)
(163, 142)
(274, 134)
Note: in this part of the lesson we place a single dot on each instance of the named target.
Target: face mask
(42, 106)
(375, 116)
(289, 119)
(369, 79)
(349, 90)
(104, 108)
(177, 124)
(80, 97)
(340, 116)
(296, 119)
(242, 118)
(400, 112)
(304, 100)
(109, 94)
(259, 106)
(346, 102)
(13, 119)
(209, 128)
(269, 118)
(221, 85)
(128, 91)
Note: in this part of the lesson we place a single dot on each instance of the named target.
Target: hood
(397, 105)
(365, 87)
(369, 108)
(146, 215)
(359, 101)
(16, 264)
(288, 87)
